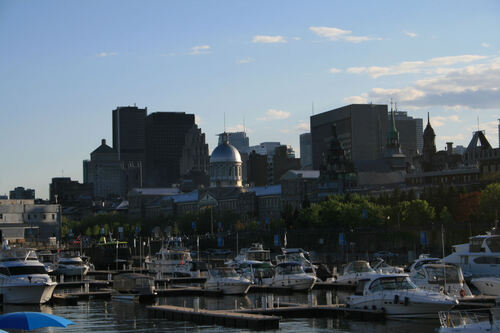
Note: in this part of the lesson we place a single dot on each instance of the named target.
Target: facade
(257, 169)
(306, 151)
(67, 192)
(194, 161)
(283, 160)
(225, 165)
(22, 193)
(167, 134)
(129, 135)
(410, 133)
(298, 186)
(237, 139)
(22, 219)
(105, 172)
(361, 129)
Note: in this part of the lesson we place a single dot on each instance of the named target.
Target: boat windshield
(26, 270)
(392, 283)
(358, 267)
(438, 274)
(290, 269)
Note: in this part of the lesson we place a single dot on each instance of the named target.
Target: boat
(444, 278)
(292, 275)
(112, 254)
(297, 256)
(382, 267)
(172, 260)
(259, 273)
(71, 265)
(23, 278)
(470, 321)
(420, 261)
(227, 281)
(477, 258)
(489, 286)
(398, 297)
(133, 287)
(354, 271)
(48, 259)
(257, 253)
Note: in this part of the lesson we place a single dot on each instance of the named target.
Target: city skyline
(263, 66)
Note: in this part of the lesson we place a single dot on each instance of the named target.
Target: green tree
(489, 203)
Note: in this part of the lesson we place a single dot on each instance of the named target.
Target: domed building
(225, 165)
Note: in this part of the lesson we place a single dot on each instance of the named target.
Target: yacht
(72, 265)
(227, 281)
(480, 257)
(398, 297)
(380, 266)
(470, 321)
(172, 260)
(48, 259)
(292, 275)
(443, 278)
(260, 273)
(297, 256)
(422, 260)
(487, 285)
(257, 253)
(23, 279)
(354, 271)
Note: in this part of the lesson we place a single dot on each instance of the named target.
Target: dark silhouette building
(67, 192)
(129, 135)
(22, 193)
(257, 169)
(174, 147)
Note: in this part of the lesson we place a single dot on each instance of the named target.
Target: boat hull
(228, 288)
(300, 283)
(27, 294)
(487, 286)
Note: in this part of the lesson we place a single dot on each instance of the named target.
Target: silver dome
(225, 153)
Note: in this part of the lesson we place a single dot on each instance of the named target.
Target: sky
(265, 66)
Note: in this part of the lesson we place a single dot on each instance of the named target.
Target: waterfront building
(129, 135)
(22, 193)
(306, 151)
(174, 147)
(23, 219)
(67, 192)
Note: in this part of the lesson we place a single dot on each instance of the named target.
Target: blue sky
(65, 65)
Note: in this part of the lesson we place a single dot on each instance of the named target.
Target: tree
(489, 204)
(417, 212)
(467, 206)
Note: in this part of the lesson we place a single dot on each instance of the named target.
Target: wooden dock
(82, 283)
(215, 317)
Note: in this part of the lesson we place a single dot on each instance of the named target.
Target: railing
(463, 318)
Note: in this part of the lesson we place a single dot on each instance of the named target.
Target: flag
(284, 241)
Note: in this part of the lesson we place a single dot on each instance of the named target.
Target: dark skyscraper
(167, 134)
(129, 133)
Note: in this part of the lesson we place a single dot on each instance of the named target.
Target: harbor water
(99, 316)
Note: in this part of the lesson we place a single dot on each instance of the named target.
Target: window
(1, 216)
(53, 216)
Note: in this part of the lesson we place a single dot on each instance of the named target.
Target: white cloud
(334, 70)
(245, 60)
(200, 49)
(438, 121)
(107, 54)
(334, 34)
(197, 119)
(238, 128)
(410, 34)
(356, 99)
(433, 65)
(296, 38)
(474, 86)
(452, 138)
(268, 39)
(485, 45)
(302, 126)
(273, 114)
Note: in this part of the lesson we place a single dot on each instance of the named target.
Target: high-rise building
(410, 133)
(105, 172)
(129, 133)
(22, 193)
(239, 140)
(174, 146)
(306, 151)
(361, 129)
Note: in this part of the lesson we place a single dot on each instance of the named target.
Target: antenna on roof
(224, 122)
(478, 123)
(244, 128)
(391, 104)
(313, 108)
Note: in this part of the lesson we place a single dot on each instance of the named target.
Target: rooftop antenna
(244, 128)
(478, 123)
(391, 104)
(224, 122)
(313, 108)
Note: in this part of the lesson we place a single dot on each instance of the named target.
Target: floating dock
(216, 317)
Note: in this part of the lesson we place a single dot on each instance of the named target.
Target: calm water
(119, 316)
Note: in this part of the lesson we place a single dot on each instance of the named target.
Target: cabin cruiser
(23, 279)
(292, 275)
(259, 273)
(257, 253)
(443, 278)
(398, 297)
(480, 257)
(382, 267)
(484, 320)
(242, 255)
(72, 265)
(354, 271)
(172, 260)
(297, 256)
(422, 260)
(48, 259)
(487, 285)
(227, 281)
(134, 283)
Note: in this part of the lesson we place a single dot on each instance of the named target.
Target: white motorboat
(48, 259)
(23, 279)
(238, 259)
(172, 260)
(480, 257)
(257, 253)
(471, 321)
(442, 278)
(227, 281)
(423, 259)
(354, 271)
(297, 256)
(260, 273)
(398, 297)
(487, 285)
(292, 275)
(72, 265)
(382, 267)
